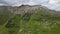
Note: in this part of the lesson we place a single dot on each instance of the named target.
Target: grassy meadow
(37, 23)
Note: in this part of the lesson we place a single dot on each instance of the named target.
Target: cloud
(38, 2)
(52, 4)
(13, 2)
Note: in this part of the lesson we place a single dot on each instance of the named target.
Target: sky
(52, 4)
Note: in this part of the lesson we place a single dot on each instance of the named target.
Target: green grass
(40, 23)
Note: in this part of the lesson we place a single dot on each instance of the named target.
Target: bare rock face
(24, 9)
(27, 19)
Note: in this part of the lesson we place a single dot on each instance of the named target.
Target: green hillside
(43, 21)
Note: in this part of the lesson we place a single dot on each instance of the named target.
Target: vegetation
(42, 22)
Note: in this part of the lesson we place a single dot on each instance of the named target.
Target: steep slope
(27, 19)
(24, 9)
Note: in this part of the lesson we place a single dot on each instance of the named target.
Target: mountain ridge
(25, 8)
(27, 19)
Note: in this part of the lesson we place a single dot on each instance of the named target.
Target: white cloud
(30, 3)
(53, 4)
(14, 2)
